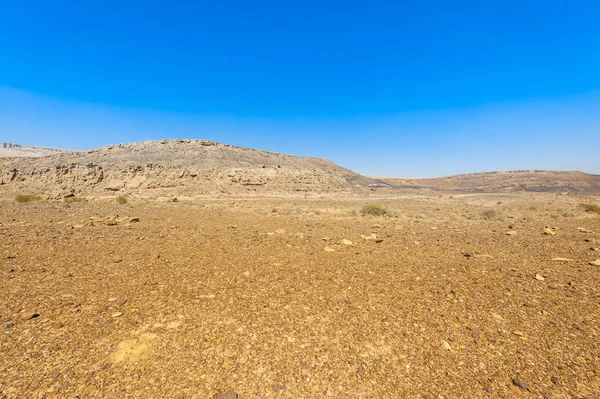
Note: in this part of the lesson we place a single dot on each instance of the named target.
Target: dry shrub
(374, 209)
(27, 198)
(590, 208)
(121, 199)
(490, 214)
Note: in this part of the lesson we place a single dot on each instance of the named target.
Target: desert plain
(445, 296)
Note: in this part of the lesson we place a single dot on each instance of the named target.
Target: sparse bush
(374, 209)
(27, 198)
(590, 208)
(121, 199)
(490, 214)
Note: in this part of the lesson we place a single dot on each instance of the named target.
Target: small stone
(379, 240)
(584, 230)
(329, 249)
(549, 232)
(247, 274)
(446, 345)
(511, 233)
(539, 277)
(497, 316)
(111, 222)
(346, 242)
(562, 260)
(28, 315)
(78, 226)
(595, 262)
(376, 226)
(371, 237)
(134, 220)
(117, 314)
(280, 231)
(326, 238)
(399, 228)
(518, 333)
(519, 384)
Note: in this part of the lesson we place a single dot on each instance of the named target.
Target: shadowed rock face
(176, 167)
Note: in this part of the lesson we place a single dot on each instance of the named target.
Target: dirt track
(200, 298)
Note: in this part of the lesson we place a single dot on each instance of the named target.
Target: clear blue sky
(422, 88)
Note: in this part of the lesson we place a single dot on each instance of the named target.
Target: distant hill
(10, 150)
(509, 181)
(170, 168)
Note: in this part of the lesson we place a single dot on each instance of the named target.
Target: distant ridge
(507, 181)
(189, 168)
(11, 150)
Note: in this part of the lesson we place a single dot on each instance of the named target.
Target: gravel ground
(189, 300)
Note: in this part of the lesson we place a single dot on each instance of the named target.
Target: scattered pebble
(399, 228)
(446, 345)
(117, 314)
(519, 384)
(584, 230)
(28, 315)
(371, 237)
(346, 242)
(562, 260)
(539, 277)
(511, 233)
(548, 231)
(329, 249)
(595, 262)
(497, 316)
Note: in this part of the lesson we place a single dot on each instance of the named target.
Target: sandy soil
(192, 299)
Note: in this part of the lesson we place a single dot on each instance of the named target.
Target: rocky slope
(10, 150)
(174, 167)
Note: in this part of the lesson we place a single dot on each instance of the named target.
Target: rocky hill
(10, 150)
(175, 167)
(170, 168)
(510, 181)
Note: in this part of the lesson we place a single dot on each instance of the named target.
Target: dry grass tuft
(121, 199)
(374, 209)
(590, 208)
(27, 198)
(490, 214)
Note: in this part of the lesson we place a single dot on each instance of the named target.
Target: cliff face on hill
(175, 167)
